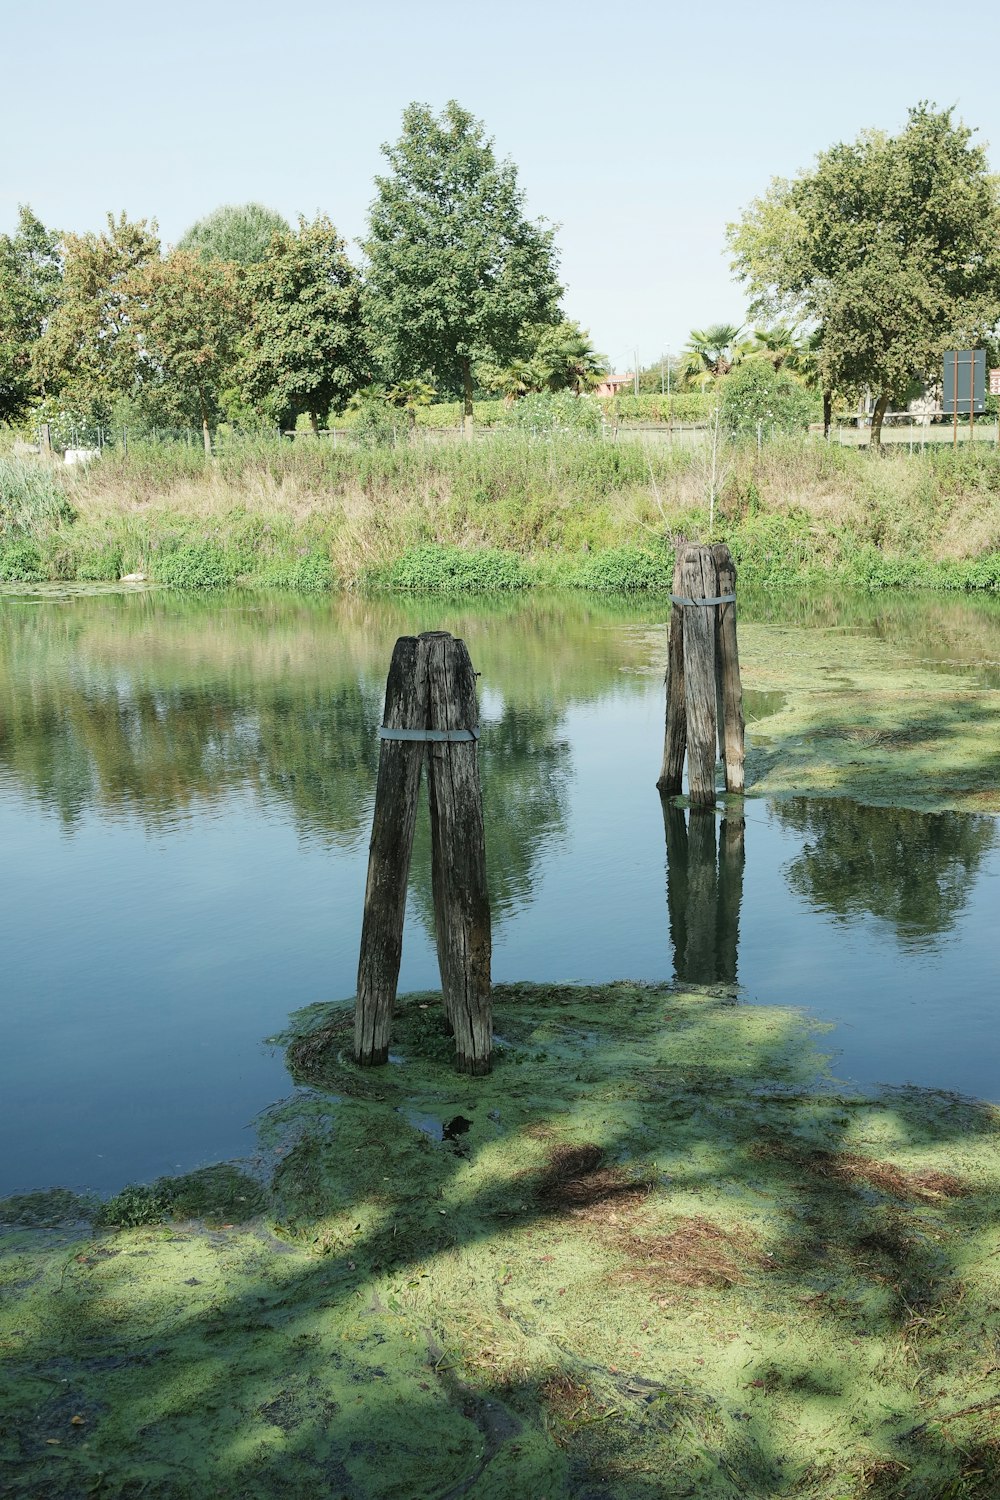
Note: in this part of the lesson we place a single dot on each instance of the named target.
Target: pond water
(185, 798)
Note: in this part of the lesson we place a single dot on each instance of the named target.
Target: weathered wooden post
(704, 696)
(430, 705)
(731, 725)
(675, 735)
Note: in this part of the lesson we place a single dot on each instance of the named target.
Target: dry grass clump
(577, 1182)
(852, 1169)
(695, 1253)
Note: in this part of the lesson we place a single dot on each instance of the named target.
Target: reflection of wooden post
(675, 831)
(698, 581)
(430, 703)
(675, 736)
(704, 893)
(700, 962)
(731, 745)
(704, 696)
(732, 858)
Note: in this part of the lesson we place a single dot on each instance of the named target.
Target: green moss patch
(658, 1250)
(860, 718)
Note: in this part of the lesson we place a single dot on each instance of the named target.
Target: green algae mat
(842, 713)
(659, 1251)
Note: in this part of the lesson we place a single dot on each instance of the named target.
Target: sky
(640, 130)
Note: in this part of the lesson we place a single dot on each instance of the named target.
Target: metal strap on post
(438, 736)
(718, 599)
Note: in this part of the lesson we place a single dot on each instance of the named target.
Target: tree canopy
(30, 276)
(455, 270)
(891, 244)
(241, 233)
(304, 351)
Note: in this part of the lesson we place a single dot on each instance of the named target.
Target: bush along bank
(509, 511)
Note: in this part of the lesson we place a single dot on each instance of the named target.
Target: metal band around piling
(717, 599)
(437, 736)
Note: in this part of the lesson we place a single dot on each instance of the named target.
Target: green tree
(891, 244)
(30, 278)
(187, 316)
(710, 352)
(455, 270)
(555, 357)
(756, 398)
(241, 233)
(89, 348)
(304, 351)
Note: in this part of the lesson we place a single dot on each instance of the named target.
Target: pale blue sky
(641, 129)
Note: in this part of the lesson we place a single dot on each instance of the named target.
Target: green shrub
(757, 398)
(138, 1203)
(625, 570)
(454, 570)
(685, 406)
(554, 411)
(196, 565)
(101, 566)
(20, 562)
(311, 573)
(30, 497)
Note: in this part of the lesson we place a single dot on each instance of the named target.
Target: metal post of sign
(972, 397)
(955, 405)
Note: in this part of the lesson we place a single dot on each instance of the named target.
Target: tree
(890, 244)
(555, 357)
(30, 277)
(241, 233)
(756, 399)
(303, 351)
(89, 347)
(710, 352)
(187, 317)
(455, 270)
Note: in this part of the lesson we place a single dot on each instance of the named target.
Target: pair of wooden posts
(704, 695)
(430, 713)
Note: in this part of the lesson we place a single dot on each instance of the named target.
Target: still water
(185, 797)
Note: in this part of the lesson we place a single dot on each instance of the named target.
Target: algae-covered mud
(659, 1251)
(884, 715)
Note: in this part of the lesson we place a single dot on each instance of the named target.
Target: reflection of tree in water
(317, 751)
(524, 767)
(912, 870)
(704, 893)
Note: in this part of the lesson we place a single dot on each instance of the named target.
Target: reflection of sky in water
(143, 964)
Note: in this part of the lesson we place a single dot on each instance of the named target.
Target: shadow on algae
(658, 1252)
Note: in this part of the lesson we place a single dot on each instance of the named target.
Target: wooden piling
(675, 733)
(431, 694)
(698, 581)
(399, 766)
(704, 695)
(461, 901)
(704, 892)
(730, 689)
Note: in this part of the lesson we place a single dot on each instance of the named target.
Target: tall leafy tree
(304, 350)
(30, 278)
(891, 244)
(89, 348)
(187, 315)
(455, 270)
(241, 233)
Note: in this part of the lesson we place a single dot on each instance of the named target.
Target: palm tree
(781, 345)
(712, 351)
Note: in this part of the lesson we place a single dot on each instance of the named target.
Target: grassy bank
(659, 1250)
(507, 511)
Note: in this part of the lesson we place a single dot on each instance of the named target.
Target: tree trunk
(467, 389)
(206, 436)
(881, 407)
(827, 412)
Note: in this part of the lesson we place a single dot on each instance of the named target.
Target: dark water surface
(185, 798)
